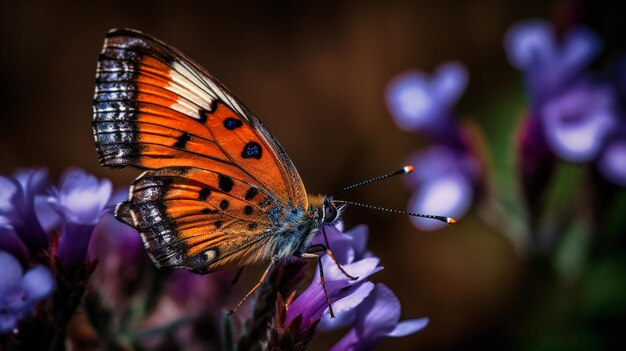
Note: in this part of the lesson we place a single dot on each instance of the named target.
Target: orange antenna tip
(408, 169)
(451, 220)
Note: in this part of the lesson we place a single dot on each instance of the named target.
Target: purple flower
(22, 207)
(612, 162)
(577, 122)
(81, 201)
(20, 292)
(376, 318)
(418, 102)
(344, 292)
(549, 65)
(444, 181)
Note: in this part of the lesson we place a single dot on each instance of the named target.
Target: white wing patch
(197, 91)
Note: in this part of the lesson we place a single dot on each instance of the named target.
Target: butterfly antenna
(444, 219)
(403, 170)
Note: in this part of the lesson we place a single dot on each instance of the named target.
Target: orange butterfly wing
(218, 184)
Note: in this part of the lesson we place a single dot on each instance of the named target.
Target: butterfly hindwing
(199, 219)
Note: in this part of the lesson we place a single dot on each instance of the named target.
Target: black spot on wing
(204, 194)
(232, 123)
(224, 204)
(247, 210)
(252, 226)
(182, 140)
(252, 150)
(225, 183)
(251, 193)
(209, 211)
(218, 224)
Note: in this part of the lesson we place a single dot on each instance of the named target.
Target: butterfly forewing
(218, 184)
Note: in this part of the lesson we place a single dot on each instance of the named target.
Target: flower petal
(8, 323)
(577, 122)
(45, 213)
(449, 82)
(341, 320)
(580, 47)
(38, 283)
(354, 297)
(10, 241)
(82, 197)
(408, 327)
(612, 163)
(11, 272)
(530, 43)
(438, 161)
(33, 182)
(359, 235)
(381, 312)
(449, 195)
(412, 101)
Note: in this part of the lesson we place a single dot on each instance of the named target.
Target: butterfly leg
(237, 276)
(322, 247)
(312, 256)
(267, 270)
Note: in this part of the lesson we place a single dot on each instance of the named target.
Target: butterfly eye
(330, 213)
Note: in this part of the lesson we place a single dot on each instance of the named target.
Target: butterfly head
(331, 212)
(325, 210)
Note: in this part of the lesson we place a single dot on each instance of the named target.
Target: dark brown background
(315, 73)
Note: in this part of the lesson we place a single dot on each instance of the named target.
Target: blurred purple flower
(376, 318)
(10, 242)
(612, 162)
(80, 201)
(122, 260)
(444, 180)
(577, 122)
(197, 292)
(19, 293)
(418, 102)
(549, 65)
(22, 207)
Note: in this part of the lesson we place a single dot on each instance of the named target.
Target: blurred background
(316, 73)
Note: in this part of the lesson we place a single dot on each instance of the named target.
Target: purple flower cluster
(371, 309)
(447, 173)
(575, 113)
(47, 230)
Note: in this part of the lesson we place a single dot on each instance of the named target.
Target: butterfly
(218, 190)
